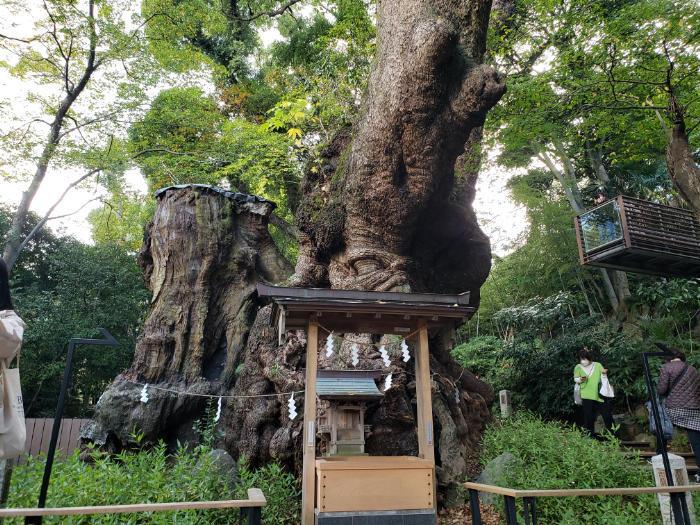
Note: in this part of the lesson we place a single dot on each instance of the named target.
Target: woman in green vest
(587, 373)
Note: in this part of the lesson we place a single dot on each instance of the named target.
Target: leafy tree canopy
(64, 289)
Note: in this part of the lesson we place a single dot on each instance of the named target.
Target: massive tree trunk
(384, 210)
(202, 257)
(390, 206)
(386, 207)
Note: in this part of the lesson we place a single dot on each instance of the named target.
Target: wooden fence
(39, 435)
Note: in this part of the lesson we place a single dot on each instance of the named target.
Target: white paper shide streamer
(387, 383)
(329, 345)
(404, 351)
(292, 407)
(218, 411)
(144, 394)
(456, 395)
(355, 352)
(385, 356)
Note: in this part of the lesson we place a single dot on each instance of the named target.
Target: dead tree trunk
(202, 257)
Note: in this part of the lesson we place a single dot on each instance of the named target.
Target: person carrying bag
(13, 431)
(592, 390)
(680, 383)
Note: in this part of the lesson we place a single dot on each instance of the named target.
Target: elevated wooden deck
(640, 236)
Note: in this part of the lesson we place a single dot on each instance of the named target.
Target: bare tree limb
(76, 211)
(6, 37)
(46, 217)
(271, 13)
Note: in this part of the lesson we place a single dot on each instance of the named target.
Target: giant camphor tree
(386, 206)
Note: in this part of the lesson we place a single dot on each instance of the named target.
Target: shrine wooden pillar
(424, 403)
(424, 400)
(309, 470)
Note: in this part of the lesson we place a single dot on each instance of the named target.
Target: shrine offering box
(346, 484)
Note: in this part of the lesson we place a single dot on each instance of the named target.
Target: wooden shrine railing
(252, 506)
(528, 496)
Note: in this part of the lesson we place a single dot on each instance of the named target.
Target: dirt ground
(462, 515)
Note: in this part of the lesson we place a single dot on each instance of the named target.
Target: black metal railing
(678, 503)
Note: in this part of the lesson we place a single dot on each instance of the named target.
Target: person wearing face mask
(588, 373)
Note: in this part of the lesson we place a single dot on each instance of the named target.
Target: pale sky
(498, 215)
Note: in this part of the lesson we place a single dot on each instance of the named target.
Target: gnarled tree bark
(202, 257)
(388, 207)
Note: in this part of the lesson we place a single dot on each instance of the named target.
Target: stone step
(636, 444)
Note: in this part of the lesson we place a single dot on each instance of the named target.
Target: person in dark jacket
(683, 398)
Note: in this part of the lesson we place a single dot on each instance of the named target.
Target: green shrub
(152, 476)
(536, 362)
(483, 356)
(282, 491)
(550, 456)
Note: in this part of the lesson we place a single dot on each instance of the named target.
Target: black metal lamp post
(678, 502)
(108, 340)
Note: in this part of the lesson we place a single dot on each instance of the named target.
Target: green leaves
(85, 287)
(143, 476)
(282, 491)
(553, 456)
(64, 289)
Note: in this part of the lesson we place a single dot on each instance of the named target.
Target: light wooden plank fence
(39, 435)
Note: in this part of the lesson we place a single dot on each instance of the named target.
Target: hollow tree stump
(202, 257)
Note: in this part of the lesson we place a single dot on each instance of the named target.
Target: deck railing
(641, 236)
(251, 506)
(601, 226)
(528, 497)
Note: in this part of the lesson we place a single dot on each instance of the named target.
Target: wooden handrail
(516, 493)
(256, 498)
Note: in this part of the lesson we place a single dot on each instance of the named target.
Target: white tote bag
(606, 389)
(13, 432)
(577, 394)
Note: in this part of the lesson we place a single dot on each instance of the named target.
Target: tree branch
(6, 37)
(271, 13)
(286, 227)
(43, 221)
(86, 123)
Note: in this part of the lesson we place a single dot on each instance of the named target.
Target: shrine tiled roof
(347, 384)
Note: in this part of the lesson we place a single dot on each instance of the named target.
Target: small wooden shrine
(343, 396)
(639, 236)
(337, 488)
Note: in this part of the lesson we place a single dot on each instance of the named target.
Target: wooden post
(423, 396)
(424, 402)
(309, 473)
